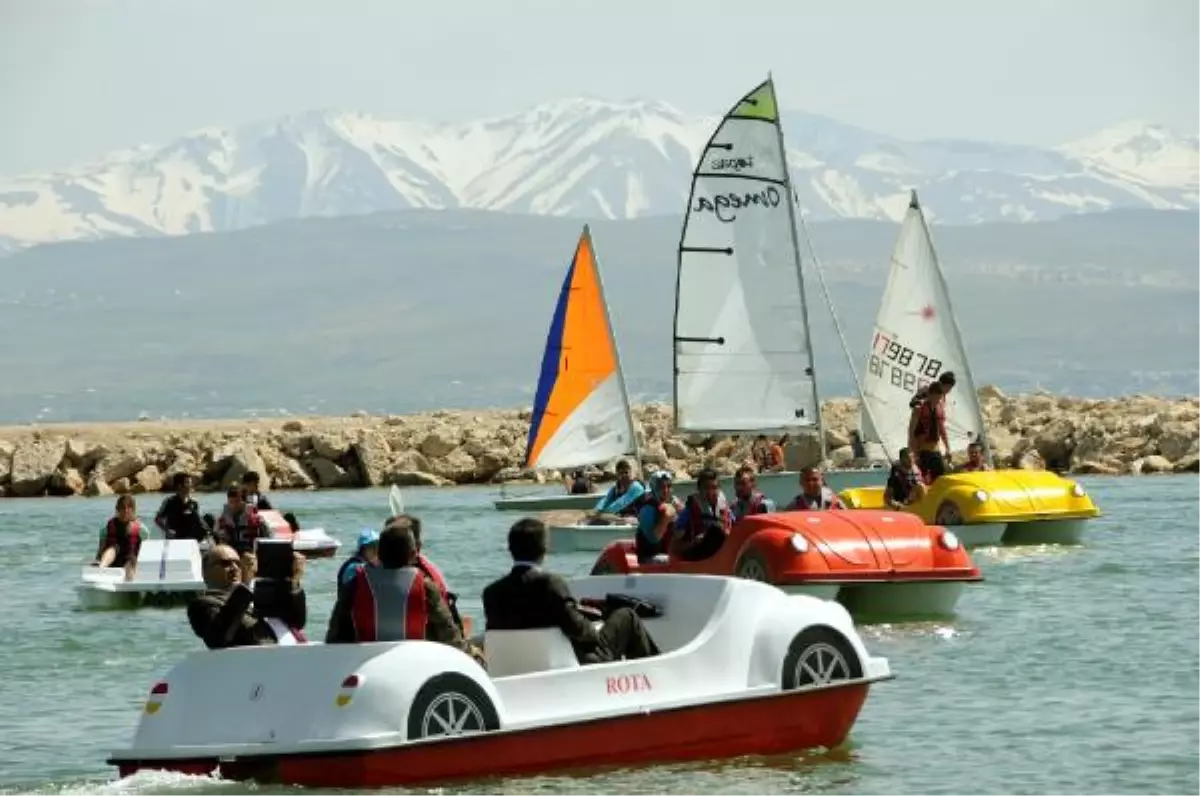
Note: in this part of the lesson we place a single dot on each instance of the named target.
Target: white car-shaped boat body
(168, 573)
(745, 669)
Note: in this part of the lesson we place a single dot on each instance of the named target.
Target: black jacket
(528, 598)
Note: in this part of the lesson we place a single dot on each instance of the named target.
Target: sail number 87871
(896, 362)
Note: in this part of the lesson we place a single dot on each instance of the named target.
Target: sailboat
(743, 348)
(581, 413)
(917, 339)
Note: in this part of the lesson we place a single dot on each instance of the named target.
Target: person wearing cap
(656, 517)
(366, 553)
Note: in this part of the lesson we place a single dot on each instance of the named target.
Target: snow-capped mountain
(578, 157)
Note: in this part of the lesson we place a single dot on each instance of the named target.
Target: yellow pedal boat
(992, 507)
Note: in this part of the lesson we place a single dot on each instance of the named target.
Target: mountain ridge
(576, 157)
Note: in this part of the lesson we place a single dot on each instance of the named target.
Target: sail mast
(612, 339)
(812, 363)
(973, 396)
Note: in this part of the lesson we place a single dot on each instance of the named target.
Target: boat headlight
(799, 543)
(1077, 490)
(981, 496)
(949, 540)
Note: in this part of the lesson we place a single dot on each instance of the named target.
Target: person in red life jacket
(926, 429)
(705, 521)
(225, 615)
(747, 499)
(427, 566)
(814, 495)
(253, 493)
(239, 525)
(121, 538)
(396, 601)
(657, 512)
(947, 380)
(904, 484)
(530, 598)
(975, 462)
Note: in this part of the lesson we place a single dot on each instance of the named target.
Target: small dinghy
(308, 542)
(744, 669)
(168, 573)
(571, 532)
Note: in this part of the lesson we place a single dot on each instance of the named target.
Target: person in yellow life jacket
(395, 601)
(975, 462)
(121, 539)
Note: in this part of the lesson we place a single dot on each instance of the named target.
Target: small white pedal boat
(168, 573)
(582, 537)
(745, 669)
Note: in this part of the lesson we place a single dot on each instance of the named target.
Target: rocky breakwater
(1136, 434)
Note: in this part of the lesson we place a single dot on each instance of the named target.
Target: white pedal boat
(745, 669)
(168, 573)
(582, 537)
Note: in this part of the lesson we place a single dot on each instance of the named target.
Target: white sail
(743, 357)
(916, 339)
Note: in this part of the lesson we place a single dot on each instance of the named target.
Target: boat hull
(1038, 532)
(761, 725)
(780, 487)
(586, 538)
(93, 599)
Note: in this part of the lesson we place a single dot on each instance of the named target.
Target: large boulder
(121, 464)
(1177, 439)
(440, 441)
(328, 474)
(245, 459)
(459, 466)
(6, 456)
(33, 465)
(148, 479)
(373, 455)
(1152, 464)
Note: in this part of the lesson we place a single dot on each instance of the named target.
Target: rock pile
(1138, 434)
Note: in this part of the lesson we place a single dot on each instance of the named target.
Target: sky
(79, 78)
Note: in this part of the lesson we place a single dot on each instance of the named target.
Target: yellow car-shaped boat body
(992, 507)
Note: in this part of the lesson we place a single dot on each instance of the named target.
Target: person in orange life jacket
(530, 598)
(926, 428)
(656, 517)
(975, 462)
(427, 566)
(705, 521)
(396, 601)
(747, 499)
(179, 515)
(904, 484)
(814, 495)
(623, 497)
(121, 538)
(225, 616)
(239, 525)
(253, 493)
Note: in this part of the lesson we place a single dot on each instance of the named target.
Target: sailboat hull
(780, 487)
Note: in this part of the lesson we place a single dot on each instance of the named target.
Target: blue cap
(367, 536)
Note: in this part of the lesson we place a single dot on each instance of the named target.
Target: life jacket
(389, 604)
(803, 503)
(756, 504)
(927, 423)
(703, 518)
(128, 544)
(242, 530)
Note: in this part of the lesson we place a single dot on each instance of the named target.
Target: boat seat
(182, 564)
(512, 652)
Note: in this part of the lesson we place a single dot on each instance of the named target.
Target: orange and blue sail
(580, 409)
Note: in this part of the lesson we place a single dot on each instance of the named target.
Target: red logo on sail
(927, 312)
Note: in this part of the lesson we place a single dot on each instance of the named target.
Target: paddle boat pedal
(168, 573)
(993, 507)
(788, 672)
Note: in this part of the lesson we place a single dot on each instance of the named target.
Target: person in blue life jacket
(623, 497)
(656, 515)
(366, 553)
(747, 500)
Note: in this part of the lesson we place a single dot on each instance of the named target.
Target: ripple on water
(1067, 670)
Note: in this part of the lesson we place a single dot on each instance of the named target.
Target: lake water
(1069, 670)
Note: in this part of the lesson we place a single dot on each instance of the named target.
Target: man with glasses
(748, 500)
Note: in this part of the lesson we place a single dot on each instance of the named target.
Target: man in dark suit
(225, 615)
(528, 598)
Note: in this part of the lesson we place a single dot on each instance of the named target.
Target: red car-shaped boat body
(879, 564)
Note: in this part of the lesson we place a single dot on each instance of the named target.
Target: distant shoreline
(1134, 434)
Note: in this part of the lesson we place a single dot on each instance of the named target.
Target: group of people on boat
(923, 462)
(389, 591)
(179, 517)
